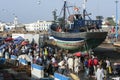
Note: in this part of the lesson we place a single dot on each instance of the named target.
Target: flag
(76, 9)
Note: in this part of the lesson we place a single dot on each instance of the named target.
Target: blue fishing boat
(78, 30)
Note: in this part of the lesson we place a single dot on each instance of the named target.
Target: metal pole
(116, 20)
(64, 15)
(84, 8)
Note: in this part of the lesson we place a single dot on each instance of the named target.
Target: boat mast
(116, 28)
(64, 14)
(84, 8)
(84, 13)
(54, 15)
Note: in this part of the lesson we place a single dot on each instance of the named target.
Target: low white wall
(30, 37)
(37, 71)
(58, 76)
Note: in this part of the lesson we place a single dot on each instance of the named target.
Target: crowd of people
(59, 60)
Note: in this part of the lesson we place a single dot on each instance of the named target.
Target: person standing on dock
(99, 73)
(76, 65)
(90, 66)
(70, 62)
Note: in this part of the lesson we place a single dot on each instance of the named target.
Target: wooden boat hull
(85, 35)
(71, 45)
(92, 39)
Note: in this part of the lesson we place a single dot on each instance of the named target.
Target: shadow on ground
(110, 53)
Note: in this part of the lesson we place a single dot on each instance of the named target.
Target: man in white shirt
(99, 73)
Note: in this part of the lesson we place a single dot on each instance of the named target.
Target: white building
(38, 26)
(9, 26)
(2, 26)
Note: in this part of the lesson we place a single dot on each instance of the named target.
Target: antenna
(84, 4)
(84, 8)
(116, 28)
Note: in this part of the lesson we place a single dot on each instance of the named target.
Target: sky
(28, 11)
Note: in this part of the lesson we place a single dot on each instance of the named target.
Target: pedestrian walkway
(71, 75)
(74, 76)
